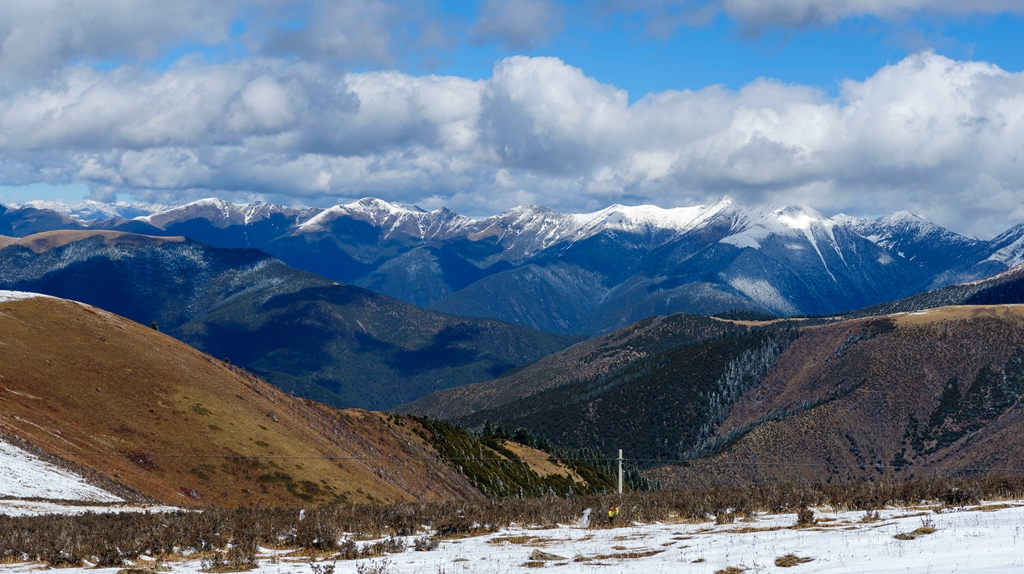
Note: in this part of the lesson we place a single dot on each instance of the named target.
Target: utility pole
(620, 471)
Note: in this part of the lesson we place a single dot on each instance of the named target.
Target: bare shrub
(790, 560)
(322, 568)
(394, 545)
(871, 516)
(379, 567)
(805, 517)
(425, 543)
(348, 550)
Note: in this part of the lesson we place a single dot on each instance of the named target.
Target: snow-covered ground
(965, 540)
(25, 475)
(14, 507)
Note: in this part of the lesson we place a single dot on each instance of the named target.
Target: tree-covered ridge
(499, 472)
(656, 408)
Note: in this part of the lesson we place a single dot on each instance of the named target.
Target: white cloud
(930, 134)
(663, 16)
(517, 24)
(344, 31)
(38, 35)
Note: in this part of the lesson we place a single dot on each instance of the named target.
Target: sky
(857, 106)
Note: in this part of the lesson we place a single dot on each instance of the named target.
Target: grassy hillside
(183, 428)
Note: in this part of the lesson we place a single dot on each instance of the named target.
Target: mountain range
(580, 273)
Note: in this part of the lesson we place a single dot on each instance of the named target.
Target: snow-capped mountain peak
(1009, 247)
(639, 218)
(752, 226)
(89, 210)
(222, 213)
(391, 217)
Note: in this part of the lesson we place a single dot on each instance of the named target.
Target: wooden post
(620, 471)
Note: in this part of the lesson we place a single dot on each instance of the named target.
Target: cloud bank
(928, 133)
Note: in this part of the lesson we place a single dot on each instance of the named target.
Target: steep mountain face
(943, 255)
(594, 272)
(152, 416)
(1000, 289)
(342, 345)
(933, 392)
(893, 397)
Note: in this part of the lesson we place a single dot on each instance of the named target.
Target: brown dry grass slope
(184, 428)
(46, 241)
(897, 397)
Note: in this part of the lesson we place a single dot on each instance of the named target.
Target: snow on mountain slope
(905, 233)
(799, 224)
(89, 210)
(751, 226)
(528, 229)
(392, 218)
(1009, 247)
(222, 213)
(642, 218)
(25, 475)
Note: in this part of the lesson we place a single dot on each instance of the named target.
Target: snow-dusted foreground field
(974, 539)
(988, 538)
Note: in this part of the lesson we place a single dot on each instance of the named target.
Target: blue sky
(841, 105)
(618, 51)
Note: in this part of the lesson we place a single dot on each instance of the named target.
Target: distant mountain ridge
(587, 273)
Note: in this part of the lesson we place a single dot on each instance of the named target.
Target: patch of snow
(42, 508)
(6, 296)
(25, 475)
(1011, 255)
(764, 293)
